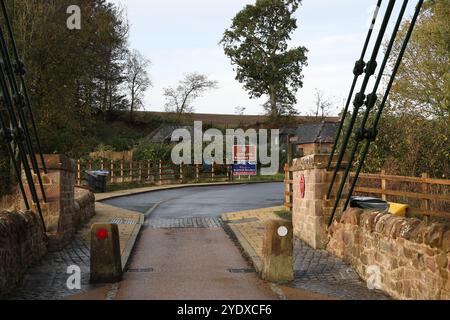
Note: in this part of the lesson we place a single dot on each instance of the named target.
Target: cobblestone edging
(184, 223)
(47, 280)
(315, 270)
(22, 243)
(320, 272)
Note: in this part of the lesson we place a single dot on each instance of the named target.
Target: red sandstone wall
(413, 256)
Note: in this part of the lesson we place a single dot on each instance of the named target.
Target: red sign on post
(302, 186)
(245, 154)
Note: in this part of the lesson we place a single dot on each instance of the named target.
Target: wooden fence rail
(152, 172)
(424, 196)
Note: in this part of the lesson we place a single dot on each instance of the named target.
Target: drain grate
(121, 221)
(248, 270)
(141, 270)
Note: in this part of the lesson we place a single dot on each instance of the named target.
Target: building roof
(164, 133)
(324, 132)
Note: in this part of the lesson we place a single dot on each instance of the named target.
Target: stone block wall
(84, 206)
(22, 243)
(22, 238)
(311, 213)
(413, 256)
(58, 212)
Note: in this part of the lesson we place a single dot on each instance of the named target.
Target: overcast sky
(181, 36)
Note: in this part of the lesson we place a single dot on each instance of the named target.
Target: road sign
(245, 169)
(245, 153)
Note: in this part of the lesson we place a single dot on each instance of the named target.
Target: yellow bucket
(398, 209)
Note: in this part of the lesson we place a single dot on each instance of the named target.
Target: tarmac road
(202, 202)
(190, 256)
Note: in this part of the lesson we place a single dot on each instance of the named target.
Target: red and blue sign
(245, 169)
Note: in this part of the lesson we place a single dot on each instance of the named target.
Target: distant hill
(233, 119)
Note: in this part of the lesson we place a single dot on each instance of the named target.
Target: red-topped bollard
(106, 263)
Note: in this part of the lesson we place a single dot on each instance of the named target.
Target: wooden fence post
(383, 185)
(149, 171)
(181, 172)
(140, 171)
(131, 171)
(112, 171)
(90, 164)
(102, 164)
(425, 203)
(122, 170)
(160, 172)
(288, 190)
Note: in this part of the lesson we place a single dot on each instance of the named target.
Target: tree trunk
(131, 111)
(273, 103)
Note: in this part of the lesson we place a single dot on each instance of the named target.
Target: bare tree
(137, 79)
(180, 99)
(239, 110)
(322, 105)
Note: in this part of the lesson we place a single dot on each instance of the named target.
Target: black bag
(369, 203)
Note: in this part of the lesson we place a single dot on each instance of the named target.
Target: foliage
(5, 175)
(410, 145)
(76, 78)
(152, 151)
(257, 44)
(423, 81)
(284, 214)
(414, 132)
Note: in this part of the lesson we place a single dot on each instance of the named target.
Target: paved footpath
(47, 279)
(186, 259)
(315, 270)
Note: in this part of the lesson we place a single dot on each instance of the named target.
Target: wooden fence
(288, 188)
(153, 172)
(424, 196)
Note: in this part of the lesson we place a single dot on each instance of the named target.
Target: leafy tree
(410, 144)
(180, 99)
(423, 81)
(414, 130)
(73, 75)
(257, 44)
(137, 79)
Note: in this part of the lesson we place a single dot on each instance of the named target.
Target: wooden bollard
(278, 249)
(106, 263)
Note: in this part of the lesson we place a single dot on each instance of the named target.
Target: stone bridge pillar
(59, 183)
(311, 209)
